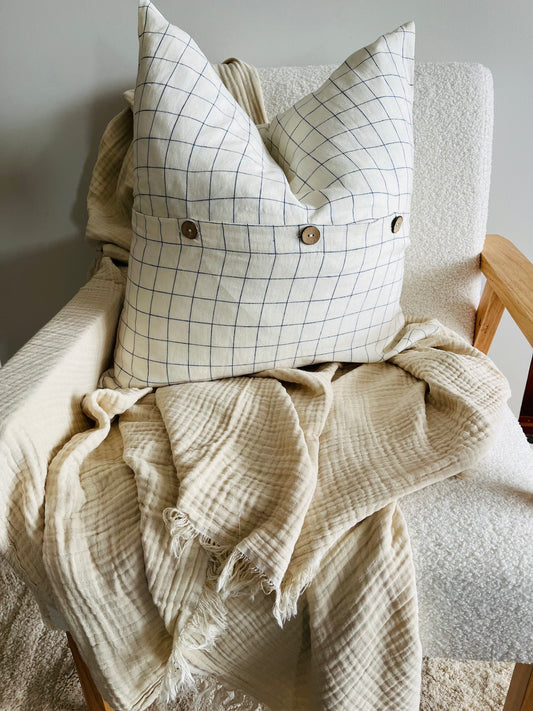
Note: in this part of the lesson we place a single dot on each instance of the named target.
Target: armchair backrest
(453, 118)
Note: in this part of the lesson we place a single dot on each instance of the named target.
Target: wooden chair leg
(92, 696)
(520, 694)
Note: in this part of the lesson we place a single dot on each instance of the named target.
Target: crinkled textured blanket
(249, 529)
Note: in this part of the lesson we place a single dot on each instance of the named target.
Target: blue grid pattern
(247, 294)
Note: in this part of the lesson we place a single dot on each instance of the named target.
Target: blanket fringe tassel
(207, 621)
(230, 574)
(288, 595)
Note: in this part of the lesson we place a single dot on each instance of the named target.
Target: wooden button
(310, 235)
(396, 223)
(189, 229)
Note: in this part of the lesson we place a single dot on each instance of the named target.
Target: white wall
(64, 65)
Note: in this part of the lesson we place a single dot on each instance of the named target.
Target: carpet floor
(37, 672)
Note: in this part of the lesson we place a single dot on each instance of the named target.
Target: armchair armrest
(509, 285)
(41, 388)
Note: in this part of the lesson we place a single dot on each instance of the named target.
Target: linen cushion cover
(220, 282)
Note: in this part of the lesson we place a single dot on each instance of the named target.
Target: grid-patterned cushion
(223, 279)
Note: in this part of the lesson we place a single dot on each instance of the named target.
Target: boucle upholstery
(471, 539)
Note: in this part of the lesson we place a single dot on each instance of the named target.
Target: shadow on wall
(52, 175)
(35, 286)
(100, 111)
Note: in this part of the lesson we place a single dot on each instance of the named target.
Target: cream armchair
(469, 535)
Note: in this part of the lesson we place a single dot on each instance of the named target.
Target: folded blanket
(249, 528)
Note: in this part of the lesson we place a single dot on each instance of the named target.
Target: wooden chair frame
(509, 285)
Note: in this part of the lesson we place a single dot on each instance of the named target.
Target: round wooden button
(396, 223)
(310, 235)
(189, 229)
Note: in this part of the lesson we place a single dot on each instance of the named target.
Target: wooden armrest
(509, 286)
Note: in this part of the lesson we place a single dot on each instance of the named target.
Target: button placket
(189, 229)
(310, 234)
(396, 224)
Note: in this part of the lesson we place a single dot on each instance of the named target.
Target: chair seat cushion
(471, 540)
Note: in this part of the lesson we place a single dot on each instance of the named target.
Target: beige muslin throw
(182, 536)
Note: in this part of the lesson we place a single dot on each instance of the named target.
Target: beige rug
(37, 672)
